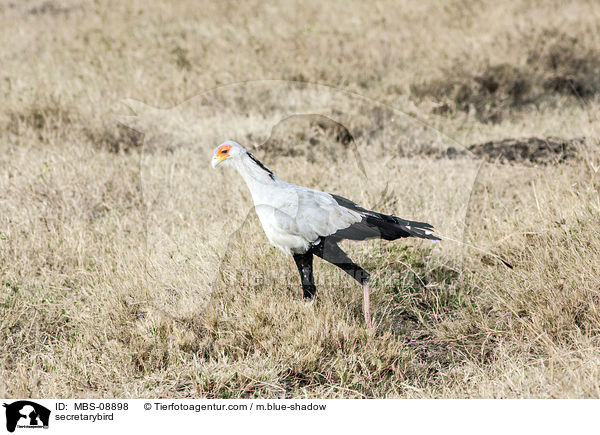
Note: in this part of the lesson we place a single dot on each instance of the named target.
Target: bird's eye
(224, 151)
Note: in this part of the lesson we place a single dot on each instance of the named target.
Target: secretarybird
(306, 222)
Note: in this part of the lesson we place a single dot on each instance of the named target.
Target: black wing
(379, 225)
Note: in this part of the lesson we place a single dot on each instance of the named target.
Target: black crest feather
(263, 167)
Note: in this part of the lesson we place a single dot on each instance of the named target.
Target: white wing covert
(311, 214)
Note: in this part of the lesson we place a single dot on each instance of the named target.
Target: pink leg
(366, 305)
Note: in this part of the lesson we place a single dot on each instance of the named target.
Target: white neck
(257, 179)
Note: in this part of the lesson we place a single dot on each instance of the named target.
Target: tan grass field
(129, 268)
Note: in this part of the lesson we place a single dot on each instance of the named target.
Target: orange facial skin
(223, 150)
(221, 154)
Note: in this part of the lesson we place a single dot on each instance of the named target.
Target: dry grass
(128, 268)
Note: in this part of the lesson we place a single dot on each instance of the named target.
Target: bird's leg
(305, 267)
(329, 251)
(366, 304)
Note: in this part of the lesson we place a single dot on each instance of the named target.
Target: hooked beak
(216, 160)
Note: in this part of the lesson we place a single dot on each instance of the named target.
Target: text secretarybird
(306, 222)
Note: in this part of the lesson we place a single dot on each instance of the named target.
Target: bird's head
(225, 152)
